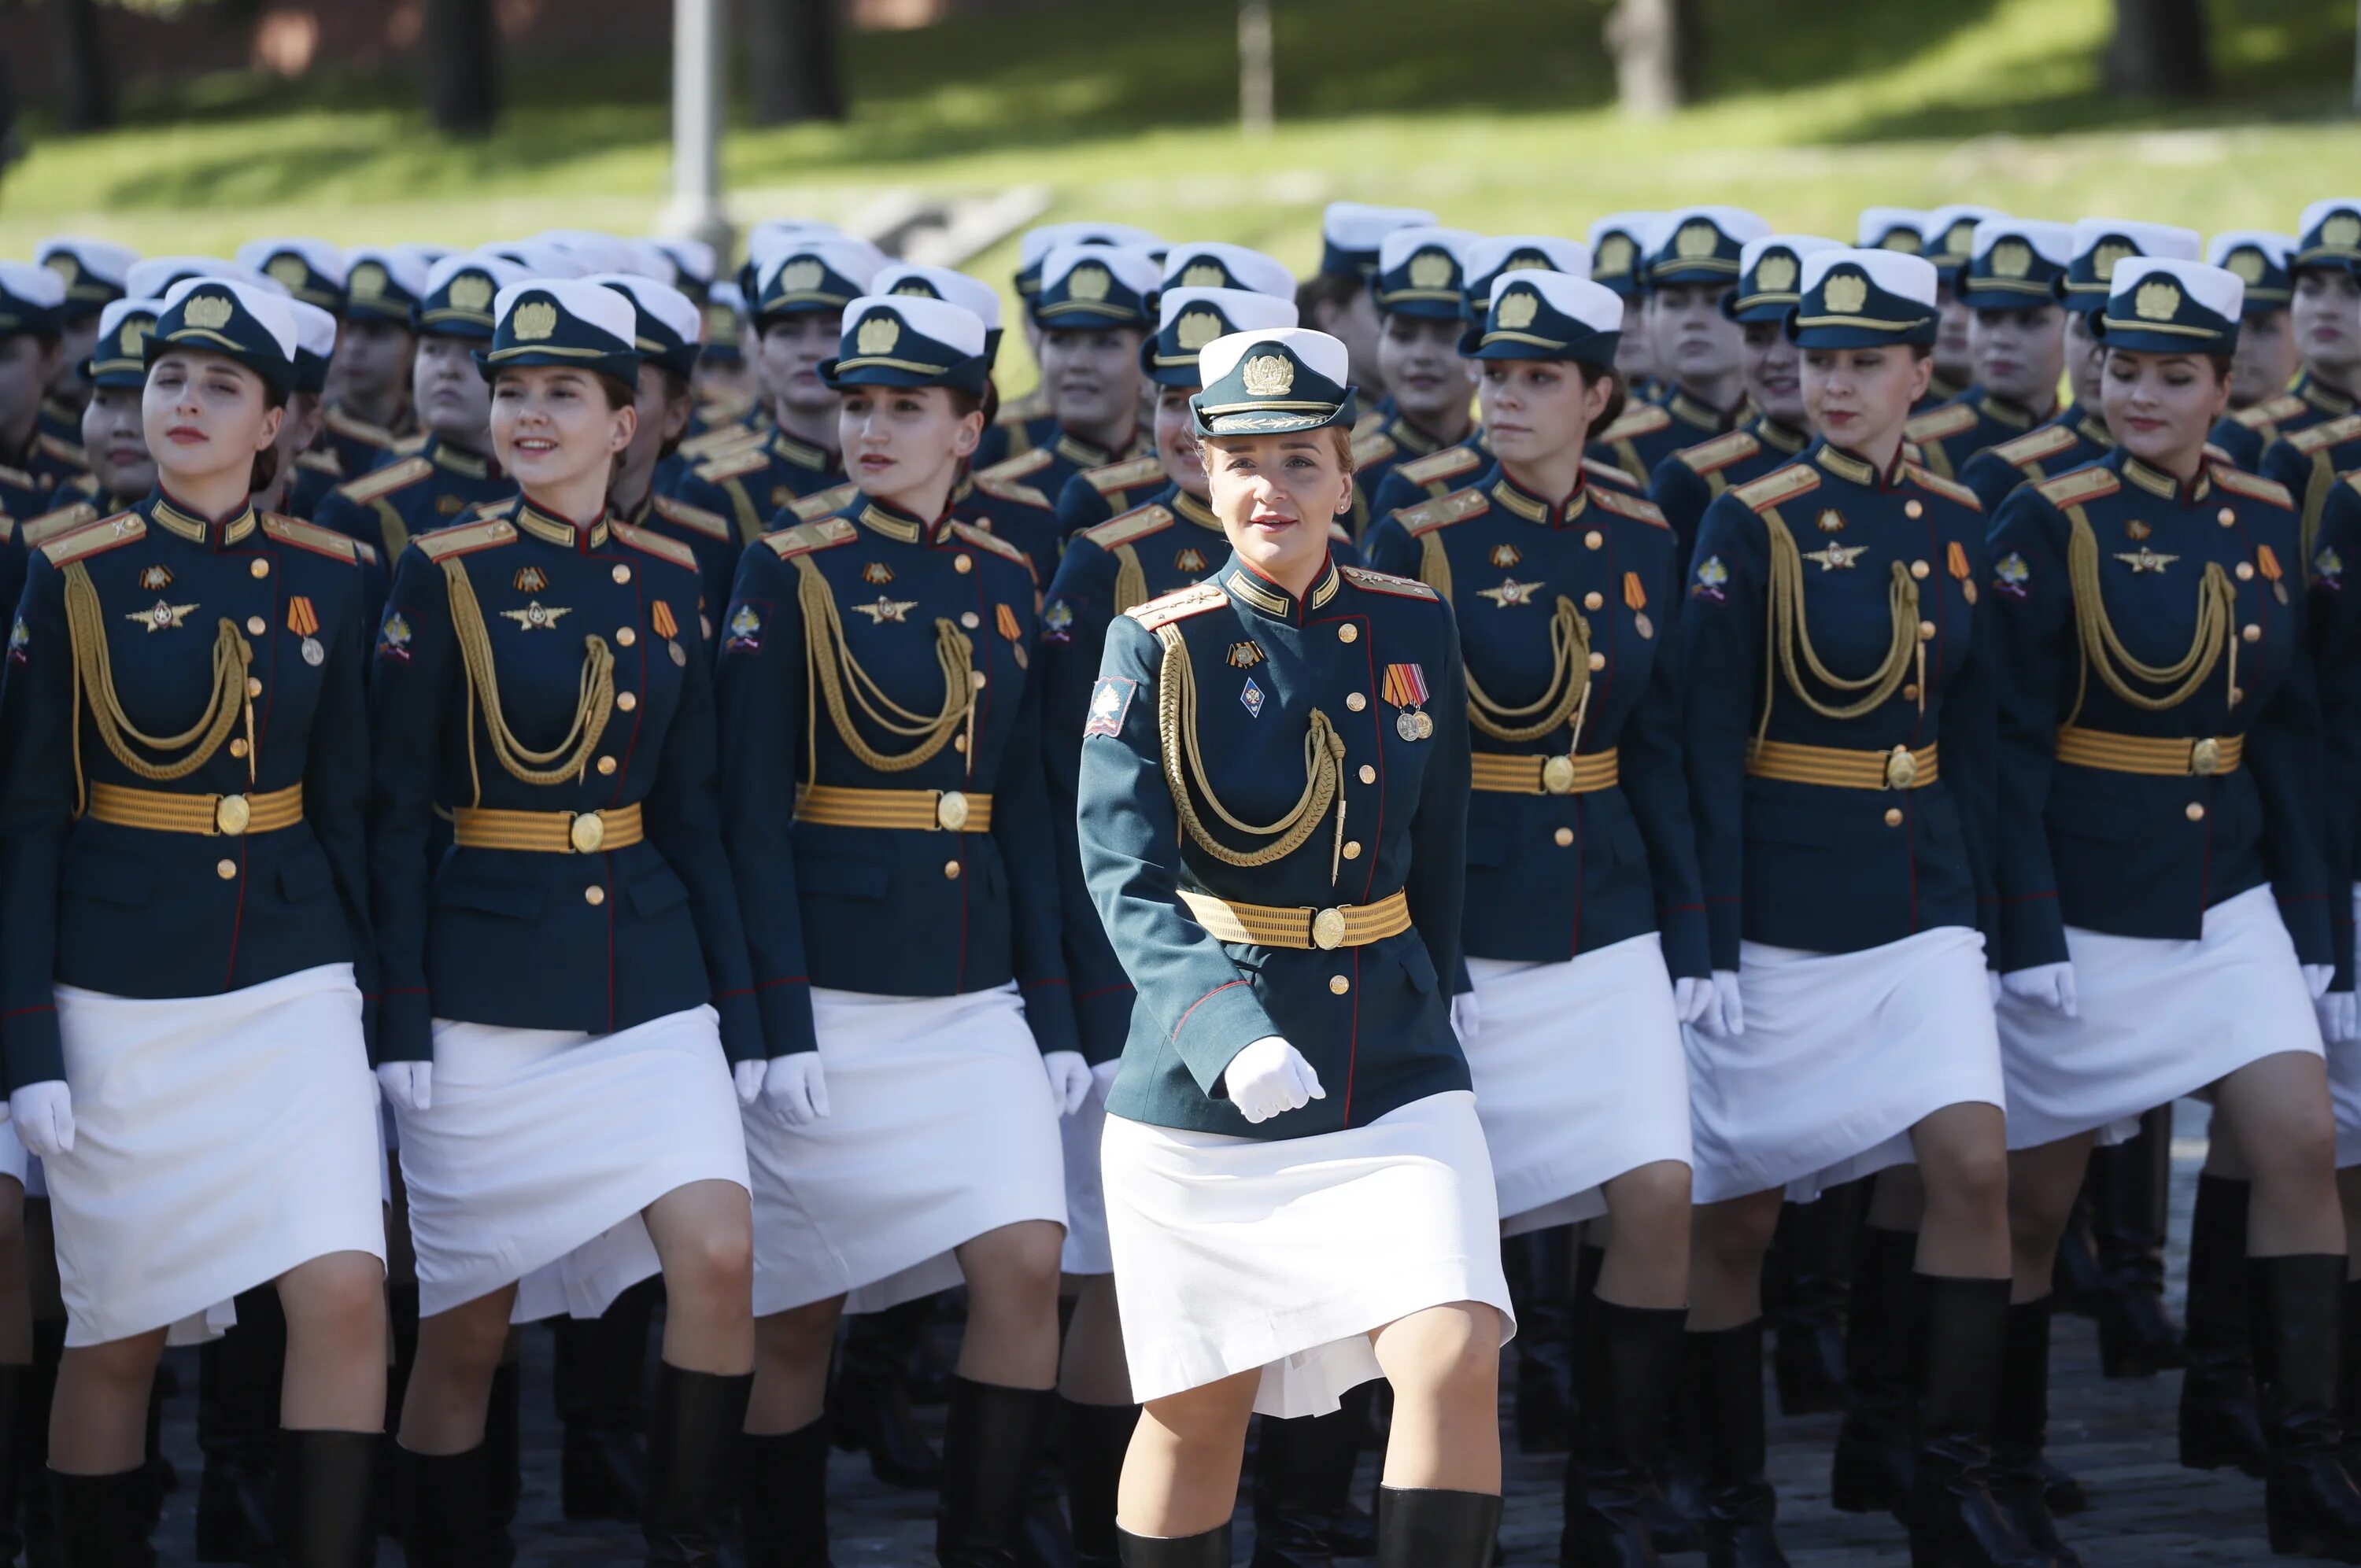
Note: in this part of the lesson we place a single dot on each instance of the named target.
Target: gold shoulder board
(806, 537)
(1387, 583)
(1136, 524)
(1375, 447)
(695, 518)
(115, 531)
(324, 461)
(984, 539)
(1124, 474)
(381, 482)
(2325, 435)
(1032, 462)
(651, 543)
(50, 525)
(1195, 599)
(2081, 485)
(729, 464)
(2034, 445)
(308, 536)
(1711, 457)
(1945, 487)
(1006, 490)
(2238, 482)
(1645, 420)
(2270, 411)
(1443, 511)
(1447, 464)
(1936, 423)
(1777, 486)
(819, 503)
(466, 539)
(1608, 474)
(1639, 509)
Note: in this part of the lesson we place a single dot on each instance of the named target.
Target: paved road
(2116, 1436)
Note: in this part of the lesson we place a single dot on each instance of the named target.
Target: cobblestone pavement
(2116, 1436)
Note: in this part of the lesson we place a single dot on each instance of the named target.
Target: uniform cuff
(35, 1054)
(405, 1027)
(1222, 1023)
(784, 1007)
(742, 1026)
(1104, 1017)
(1050, 1014)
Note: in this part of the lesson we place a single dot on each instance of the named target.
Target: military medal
(1955, 561)
(1405, 688)
(660, 615)
(1635, 599)
(1250, 695)
(1245, 656)
(2266, 561)
(531, 580)
(156, 579)
(304, 622)
(876, 573)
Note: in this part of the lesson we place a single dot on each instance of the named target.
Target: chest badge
(531, 580)
(163, 618)
(1506, 556)
(1830, 520)
(156, 579)
(897, 611)
(450, 506)
(1191, 559)
(1245, 656)
(1250, 695)
(1837, 557)
(1405, 688)
(876, 573)
(304, 622)
(1511, 593)
(2137, 532)
(537, 616)
(2146, 560)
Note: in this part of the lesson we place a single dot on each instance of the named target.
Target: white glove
(1466, 1018)
(2340, 1017)
(2316, 978)
(1725, 1016)
(747, 1077)
(44, 1117)
(2051, 986)
(407, 1085)
(1102, 1075)
(794, 1087)
(1070, 1081)
(1693, 997)
(1992, 984)
(1270, 1078)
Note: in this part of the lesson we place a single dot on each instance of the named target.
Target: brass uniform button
(970, 619)
(1368, 773)
(1349, 632)
(1356, 701)
(1910, 692)
(1352, 849)
(627, 700)
(238, 747)
(226, 869)
(959, 742)
(607, 766)
(1894, 816)
(2252, 634)
(622, 574)
(1564, 836)
(1914, 511)
(980, 678)
(260, 568)
(1599, 661)
(1925, 631)
(962, 564)
(2196, 812)
(2227, 517)
(255, 625)
(951, 868)
(1593, 540)
(1594, 599)
(252, 687)
(1920, 569)
(625, 636)
(1339, 984)
(2245, 571)
(595, 895)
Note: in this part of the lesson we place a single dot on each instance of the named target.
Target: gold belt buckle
(1328, 929)
(2205, 757)
(1558, 775)
(1900, 769)
(231, 814)
(950, 811)
(586, 832)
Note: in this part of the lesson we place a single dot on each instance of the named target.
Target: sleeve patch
(1709, 580)
(1110, 700)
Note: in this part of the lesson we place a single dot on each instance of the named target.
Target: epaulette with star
(1374, 448)
(1009, 490)
(40, 531)
(806, 538)
(2081, 485)
(96, 539)
(379, 483)
(719, 438)
(1443, 511)
(1017, 411)
(1194, 599)
(1608, 473)
(366, 552)
(1017, 468)
(411, 446)
(465, 539)
(649, 542)
(1436, 467)
(64, 451)
(1130, 527)
(2320, 436)
(2271, 410)
(1947, 488)
(354, 427)
(732, 463)
(301, 535)
(984, 539)
(1779, 485)
(2035, 445)
(1645, 420)
(1124, 474)
(1711, 456)
(321, 461)
(1387, 583)
(713, 525)
(1639, 509)
(2238, 482)
(819, 503)
(1936, 424)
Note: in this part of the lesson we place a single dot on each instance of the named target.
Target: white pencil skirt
(1842, 1054)
(1283, 1253)
(219, 1141)
(2155, 1020)
(1579, 1078)
(941, 1128)
(1086, 1234)
(541, 1148)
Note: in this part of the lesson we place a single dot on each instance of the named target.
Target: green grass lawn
(1496, 114)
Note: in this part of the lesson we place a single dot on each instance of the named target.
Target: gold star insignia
(163, 617)
(1511, 593)
(2144, 559)
(885, 609)
(1837, 557)
(537, 616)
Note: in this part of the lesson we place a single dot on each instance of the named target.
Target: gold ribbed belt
(2157, 756)
(1579, 774)
(1347, 926)
(917, 810)
(214, 816)
(1838, 768)
(547, 832)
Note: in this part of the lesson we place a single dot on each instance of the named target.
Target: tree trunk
(85, 97)
(1657, 50)
(2159, 49)
(459, 55)
(791, 51)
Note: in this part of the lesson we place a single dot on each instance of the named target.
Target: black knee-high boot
(1424, 1528)
(102, 1520)
(596, 1378)
(1872, 1468)
(402, 1320)
(34, 1492)
(2019, 1482)
(443, 1507)
(1302, 1482)
(691, 1441)
(783, 1498)
(327, 1506)
(1628, 1369)
(2348, 1388)
(2310, 1501)
(2129, 1192)
(1210, 1549)
(1096, 1439)
(2219, 1424)
(1816, 1240)
(504, 1451)
(1954, 1522)
(990, 1444)
(869, 1409)
(1721, 1386)
(1540, 1265)
(239, 1379)
(14, 1381)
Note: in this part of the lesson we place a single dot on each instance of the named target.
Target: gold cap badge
(1196, 328)
(801, 277)
(289, 268)
(2104, 260)
(1089, 282)
(1614, 257)
(1775, 273)
(209, 311)
(1903, 240)
(878, 335)
(2343, 229)
(2012, 258)
(2156, 301)
(915, 288)
(471, 291)
(1846, 292)
(1429, 270)
(1204, 274)
(1269, 376)
(1518, 309)
(134, 337)
(2246, 264)
(1696, 239)
(367, 283)
(534, 321)
(65, 267)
